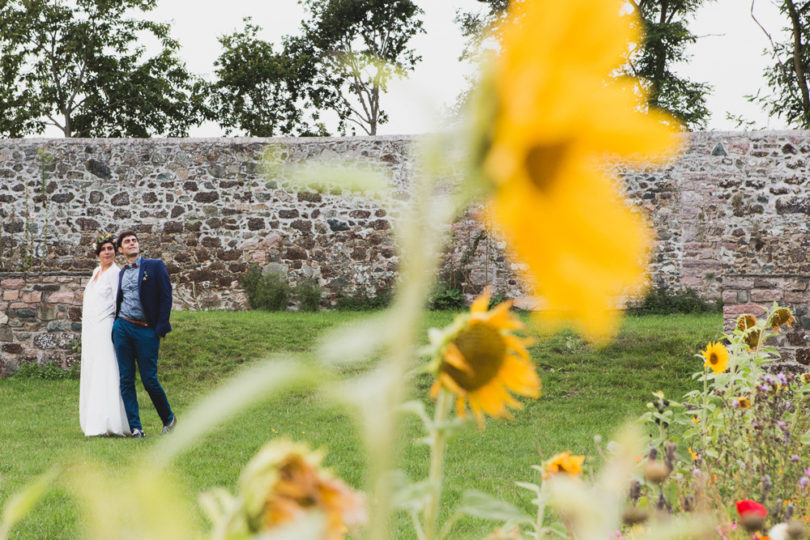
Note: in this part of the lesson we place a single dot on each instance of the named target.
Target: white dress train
(101, 410)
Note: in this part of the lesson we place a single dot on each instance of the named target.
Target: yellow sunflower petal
(481, 303)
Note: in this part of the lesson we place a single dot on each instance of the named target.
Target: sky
(728, 55)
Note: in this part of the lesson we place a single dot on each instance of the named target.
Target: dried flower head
(745, 322)
(781, 316)
(752, 337)
(285, 480)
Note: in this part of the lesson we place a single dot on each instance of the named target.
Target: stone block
(11, 295)
(12, 283)
(732, 312)
(766, 295)
(61, 297)
(32, 297)
(795, 298)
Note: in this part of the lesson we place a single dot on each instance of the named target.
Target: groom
(142, 310)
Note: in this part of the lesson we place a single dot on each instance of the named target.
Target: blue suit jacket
(155, 291)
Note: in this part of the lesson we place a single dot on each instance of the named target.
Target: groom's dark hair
(124, 235)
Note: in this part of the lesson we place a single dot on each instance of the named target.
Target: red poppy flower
(750, 507)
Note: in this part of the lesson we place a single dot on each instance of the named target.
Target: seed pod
(796, 529)
(752, 522)
(634, 516)
(655, 472)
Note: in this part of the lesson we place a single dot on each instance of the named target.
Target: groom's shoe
(138, 434)
(170, 426)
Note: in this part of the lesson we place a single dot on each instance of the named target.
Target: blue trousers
(134, 343)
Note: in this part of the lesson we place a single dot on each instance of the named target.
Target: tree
(262, 92)
(358, 46)
(475, 24)
(666, 36)
(787, 76)
(74, 65)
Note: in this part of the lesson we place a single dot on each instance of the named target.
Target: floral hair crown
(102, 239)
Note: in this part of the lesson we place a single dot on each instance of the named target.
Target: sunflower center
(543, 162)
(713, 359)
(484, 350)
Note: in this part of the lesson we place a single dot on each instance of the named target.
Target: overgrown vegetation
(267, 291)
(49, 371)
(360, 300)
(662, 301)
(308, 293)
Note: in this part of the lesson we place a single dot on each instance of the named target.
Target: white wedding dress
(101, 410)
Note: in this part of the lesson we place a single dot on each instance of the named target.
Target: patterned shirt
(131, 307)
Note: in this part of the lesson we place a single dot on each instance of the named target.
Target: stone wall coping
(44, 274)
(768, 275)
(218, 140)
(305, 140)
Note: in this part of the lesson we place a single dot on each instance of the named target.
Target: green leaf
(410, 496)
(484, 506)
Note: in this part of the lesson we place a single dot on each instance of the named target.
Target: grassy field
(585, 392)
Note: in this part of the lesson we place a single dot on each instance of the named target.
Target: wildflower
(564, 463)
(752, 514)
(482, 361)
(695, 419)
(794, 458)
(557, 114)
(693, 455)
(781, 316)
(716, 357)
(805, 378)
(741, 403)
(285, 480)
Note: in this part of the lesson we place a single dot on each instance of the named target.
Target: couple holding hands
(125, 314)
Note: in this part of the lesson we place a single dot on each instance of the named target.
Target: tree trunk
(660, 59)
(801, 78)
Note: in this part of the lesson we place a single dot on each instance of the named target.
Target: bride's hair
(102, 239)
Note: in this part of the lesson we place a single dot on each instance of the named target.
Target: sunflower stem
(437, 449)
(419, 240)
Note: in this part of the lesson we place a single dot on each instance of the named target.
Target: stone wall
(734, 209)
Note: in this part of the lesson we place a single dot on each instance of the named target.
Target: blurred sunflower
(559, 113)
(716, 356)
(480, 360)
(563, 463)
(285, 480)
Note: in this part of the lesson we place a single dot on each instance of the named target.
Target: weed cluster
(308, 292)
(266, 291)
(663, 301)
(360, 300)
(51, 371)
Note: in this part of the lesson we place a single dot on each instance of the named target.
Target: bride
(101, 410)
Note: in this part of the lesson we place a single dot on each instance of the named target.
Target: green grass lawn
(585, 392)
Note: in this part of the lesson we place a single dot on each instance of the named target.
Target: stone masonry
(731, 215)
